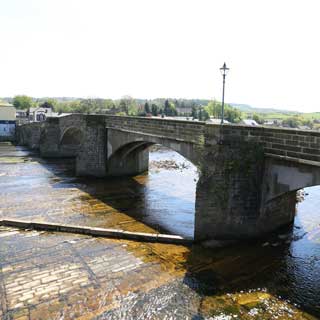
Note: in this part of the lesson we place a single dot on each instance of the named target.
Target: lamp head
(224, 69)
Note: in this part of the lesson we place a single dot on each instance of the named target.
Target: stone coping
(201, 123)
(96, 232)
(152, 135)
(291, 159)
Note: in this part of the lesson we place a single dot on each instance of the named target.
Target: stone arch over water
(128, 154)
(70, 142)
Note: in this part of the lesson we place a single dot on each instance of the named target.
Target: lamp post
(224, 70)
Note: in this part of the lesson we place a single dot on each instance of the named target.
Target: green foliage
(296, 121)
(49, 103)
(22, 102)
(147, 108)
(169, 109)
(128, 105)
(214, 109)
(202, 114)
(85, 106)
(257, 118)
(154, 109)
(292, 122)
(121, 113)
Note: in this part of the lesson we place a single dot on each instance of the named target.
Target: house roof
(216, 121)
(249, 122)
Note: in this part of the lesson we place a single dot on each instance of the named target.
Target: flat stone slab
(96, 232)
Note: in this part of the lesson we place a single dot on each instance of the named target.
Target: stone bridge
(248, 175)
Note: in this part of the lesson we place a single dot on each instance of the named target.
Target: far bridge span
(248, 175)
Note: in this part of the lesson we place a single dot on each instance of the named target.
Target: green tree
(292, 122)
(200, 114)
(194, 113)
(128, 105)
(146, 108)
(166, 109)
(49, 103)
(231, 114)
(123, 106)
(154, 109)
(257, 118)
(205, 115)
(308, 123)
(22, 102)
(169, 108)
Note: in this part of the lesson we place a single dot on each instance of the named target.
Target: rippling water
(246, 280)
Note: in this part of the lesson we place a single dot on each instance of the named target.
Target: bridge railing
(290, 143)
(191, 131)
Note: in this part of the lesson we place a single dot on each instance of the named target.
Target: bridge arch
(70, 142)
(283, 176)
(128, 152)
(71, 135)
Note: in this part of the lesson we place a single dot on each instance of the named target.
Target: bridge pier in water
(248, 175)
(229, 199)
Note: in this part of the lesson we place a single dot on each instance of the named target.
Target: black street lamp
(224, 70)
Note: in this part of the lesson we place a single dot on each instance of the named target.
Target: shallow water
(269, 279)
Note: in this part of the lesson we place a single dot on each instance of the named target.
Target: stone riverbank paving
(62, 276)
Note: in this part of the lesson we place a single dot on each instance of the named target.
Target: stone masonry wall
(299, 144)
(29, 134)
(229, 189)
(91, 159)
(190, 131)
(292, 143)
(229, 197)
(49, 140)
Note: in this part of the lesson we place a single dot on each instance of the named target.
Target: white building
(216, 121)
(39, 114)
(7, 121)
(249, 122)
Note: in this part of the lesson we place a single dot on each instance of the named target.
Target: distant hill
(248, 109)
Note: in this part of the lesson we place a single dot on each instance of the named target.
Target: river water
(275, 278)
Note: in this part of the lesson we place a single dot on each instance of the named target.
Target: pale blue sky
(163, 48)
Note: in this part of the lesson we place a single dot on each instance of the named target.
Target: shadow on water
(270, 264)
(157, 207)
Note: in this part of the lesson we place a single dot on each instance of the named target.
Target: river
(275, 278)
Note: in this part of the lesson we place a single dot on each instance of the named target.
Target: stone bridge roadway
(248, 175)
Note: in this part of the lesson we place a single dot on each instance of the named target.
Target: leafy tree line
(125, 106)
(195, 108)
(214, 109)
(133, 107)
(296, 121)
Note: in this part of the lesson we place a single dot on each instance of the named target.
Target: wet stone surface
(45, 276)
(54, 276)
(66, 276)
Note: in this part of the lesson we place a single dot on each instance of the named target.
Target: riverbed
(275, 278)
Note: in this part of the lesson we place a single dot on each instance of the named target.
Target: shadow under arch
(168, 193)
(71, 135)
(132, 158)
(129, 160)
(70, 142)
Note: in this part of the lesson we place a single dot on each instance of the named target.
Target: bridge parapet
(289, 143)
(190, 131)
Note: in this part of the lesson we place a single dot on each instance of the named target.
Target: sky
(163, 48)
